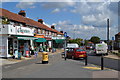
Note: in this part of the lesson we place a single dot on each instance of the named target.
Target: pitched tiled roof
(28, 21)
(11, 16)
(118, 34)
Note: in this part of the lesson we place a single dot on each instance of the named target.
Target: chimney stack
(22, 13)
(40, 20)
(61, 31)
(53, 27)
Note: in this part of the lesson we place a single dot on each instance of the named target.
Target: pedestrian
(36, 51)
(30, 50)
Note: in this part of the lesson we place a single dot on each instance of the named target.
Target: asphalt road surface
(57, 68)
(108, 62)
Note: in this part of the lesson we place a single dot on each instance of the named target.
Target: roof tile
(28, 21)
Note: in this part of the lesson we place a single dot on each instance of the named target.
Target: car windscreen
(69, 49)
(78, 50)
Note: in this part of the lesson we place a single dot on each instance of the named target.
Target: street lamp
(108, 34)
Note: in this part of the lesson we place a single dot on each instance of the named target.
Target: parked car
(69, 52)
(76, 53)
(79, 53)
(90, 47)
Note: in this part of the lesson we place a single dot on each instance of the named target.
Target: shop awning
(47, 38)
(40, 40)
(59, 40)
(26, 38)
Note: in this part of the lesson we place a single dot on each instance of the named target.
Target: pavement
(13, 61)
(113, 56)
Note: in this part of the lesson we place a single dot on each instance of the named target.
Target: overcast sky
(80, 19)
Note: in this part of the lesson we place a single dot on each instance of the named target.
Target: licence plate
(81, 55)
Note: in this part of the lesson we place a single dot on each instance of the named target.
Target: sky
(80, 19)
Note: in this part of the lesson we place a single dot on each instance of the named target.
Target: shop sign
(58, 37)
(25, 31)
(39, 36)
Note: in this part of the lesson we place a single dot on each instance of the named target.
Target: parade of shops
(19, 34)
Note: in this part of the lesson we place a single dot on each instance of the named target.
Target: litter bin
(45, 58)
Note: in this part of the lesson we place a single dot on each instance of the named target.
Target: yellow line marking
(94, 68)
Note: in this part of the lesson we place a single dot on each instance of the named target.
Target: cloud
(59, 4)
(24, 5)
(56, 10)
(84, 31)
(96, 13)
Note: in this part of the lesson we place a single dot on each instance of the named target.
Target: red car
(76, 53)
(79, 53)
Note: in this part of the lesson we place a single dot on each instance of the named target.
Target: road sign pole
(65, 49)
(102, 62)
(65, 35)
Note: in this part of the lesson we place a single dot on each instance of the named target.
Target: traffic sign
(65, 34)
(112, 38)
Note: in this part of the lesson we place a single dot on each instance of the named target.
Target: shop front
(8, 43)
(14, 39)
(25, 44)
(25, 38)
(58, 42)
(49, 43)
(40, 43)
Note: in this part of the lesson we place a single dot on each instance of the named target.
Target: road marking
(94, 68)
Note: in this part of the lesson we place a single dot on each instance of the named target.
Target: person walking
(30, 49)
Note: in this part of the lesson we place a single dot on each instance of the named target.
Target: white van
(101, 48)
(72, 45)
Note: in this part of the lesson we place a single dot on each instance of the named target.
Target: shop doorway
(10, 46)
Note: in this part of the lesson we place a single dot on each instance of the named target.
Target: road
(57, 68)
(108, 62)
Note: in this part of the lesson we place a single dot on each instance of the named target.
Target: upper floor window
(43, 31)
(39, 31)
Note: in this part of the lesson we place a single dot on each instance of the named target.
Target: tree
(78, 41)
(95, 39)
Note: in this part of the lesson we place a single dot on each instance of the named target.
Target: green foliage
(5, 20)
(95, 39)
(78, 41)
(86, 42)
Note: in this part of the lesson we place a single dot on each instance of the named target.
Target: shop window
(11, 30)
(43, 31)
(38, 31)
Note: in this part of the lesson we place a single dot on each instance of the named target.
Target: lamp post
(108, 34)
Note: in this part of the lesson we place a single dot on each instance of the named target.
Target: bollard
(86, 61)
(44, 58)
(65, 58)
(102, 63)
